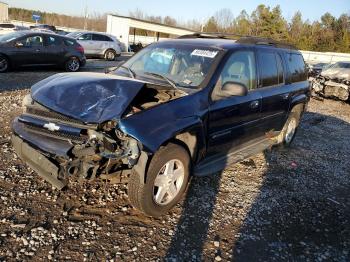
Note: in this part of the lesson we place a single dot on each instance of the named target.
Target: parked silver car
(98, 44)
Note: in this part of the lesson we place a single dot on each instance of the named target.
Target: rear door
(55, 49)
(100, 43)
(273, 88)
(233, 120)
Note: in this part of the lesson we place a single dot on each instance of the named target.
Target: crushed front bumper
(38, 162)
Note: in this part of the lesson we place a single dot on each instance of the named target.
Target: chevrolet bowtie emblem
(52, 127)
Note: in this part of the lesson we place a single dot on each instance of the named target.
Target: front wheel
(166, 181)
(72, 65)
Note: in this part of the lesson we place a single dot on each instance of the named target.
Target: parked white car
(98, 44)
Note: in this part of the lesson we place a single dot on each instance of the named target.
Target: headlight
(27, 100)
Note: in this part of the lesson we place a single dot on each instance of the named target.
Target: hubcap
(290, 130)
(110, 55)
(168, 182)
(3, 64)
(73, 65)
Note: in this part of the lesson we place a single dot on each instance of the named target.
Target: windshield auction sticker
(205, 53)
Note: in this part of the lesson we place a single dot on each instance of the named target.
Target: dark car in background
(175, 109)
(28, 48)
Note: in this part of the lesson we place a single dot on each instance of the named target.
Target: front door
(86, 41)
(234, 120)
(31, 50)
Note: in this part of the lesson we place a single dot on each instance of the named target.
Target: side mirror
(19, 44)
(234, 89)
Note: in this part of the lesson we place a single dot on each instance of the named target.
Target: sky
(185, 9)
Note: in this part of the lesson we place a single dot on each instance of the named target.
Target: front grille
(52, 115)
(59, 135)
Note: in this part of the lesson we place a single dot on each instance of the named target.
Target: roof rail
(241, 39)
(264, 41)
(211, 35)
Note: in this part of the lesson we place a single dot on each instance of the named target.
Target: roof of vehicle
(90, 32)
(33, 32)
(229, 43)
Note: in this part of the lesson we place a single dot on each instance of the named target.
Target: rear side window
(268, 69)
(297, 67)
(97, 37)
(69, 42)
(53, 41)
(280, 69)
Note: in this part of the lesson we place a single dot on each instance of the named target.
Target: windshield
(9, 37)
(185, 66)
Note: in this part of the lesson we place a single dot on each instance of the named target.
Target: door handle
(254, 104)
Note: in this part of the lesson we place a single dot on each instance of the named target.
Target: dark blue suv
(183, 107)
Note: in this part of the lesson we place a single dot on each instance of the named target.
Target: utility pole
(85, 16)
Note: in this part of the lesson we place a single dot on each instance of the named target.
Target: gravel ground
(26, 77)
(278, 205)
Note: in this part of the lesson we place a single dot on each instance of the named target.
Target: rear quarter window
(69, 42)
(297, 67)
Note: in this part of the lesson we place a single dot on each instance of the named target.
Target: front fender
(152, 137)
(299, 99)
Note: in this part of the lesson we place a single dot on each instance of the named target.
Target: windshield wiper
(171, 82)
(131, 72)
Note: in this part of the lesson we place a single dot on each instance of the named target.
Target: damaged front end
(69, 129)
(60, 149)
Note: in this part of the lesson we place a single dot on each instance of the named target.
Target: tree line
(329, 34)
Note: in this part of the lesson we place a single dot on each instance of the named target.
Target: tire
(290, 128)
(110, 55)
(72, 64)
(4, 64)
(147, 197)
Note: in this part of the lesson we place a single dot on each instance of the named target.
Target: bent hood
(88, 97)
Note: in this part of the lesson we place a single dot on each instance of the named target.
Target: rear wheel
(72, 65)
(290, 127)
(166, 181)
(4, 64)
(110, 55)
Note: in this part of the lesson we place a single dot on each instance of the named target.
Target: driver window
(33, 41)
(239, 68)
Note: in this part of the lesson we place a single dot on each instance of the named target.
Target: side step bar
(218, 164)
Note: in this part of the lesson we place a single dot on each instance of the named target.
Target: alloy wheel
(168, 182)
(73, 65)
(292, 125)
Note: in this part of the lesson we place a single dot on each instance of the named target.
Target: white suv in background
(98, 44)
(6, 28)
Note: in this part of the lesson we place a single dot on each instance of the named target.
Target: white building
(119, 26)
(4, 12)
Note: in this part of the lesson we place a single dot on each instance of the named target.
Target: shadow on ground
(301, 210)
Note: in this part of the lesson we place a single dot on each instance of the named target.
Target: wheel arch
(192, 140)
